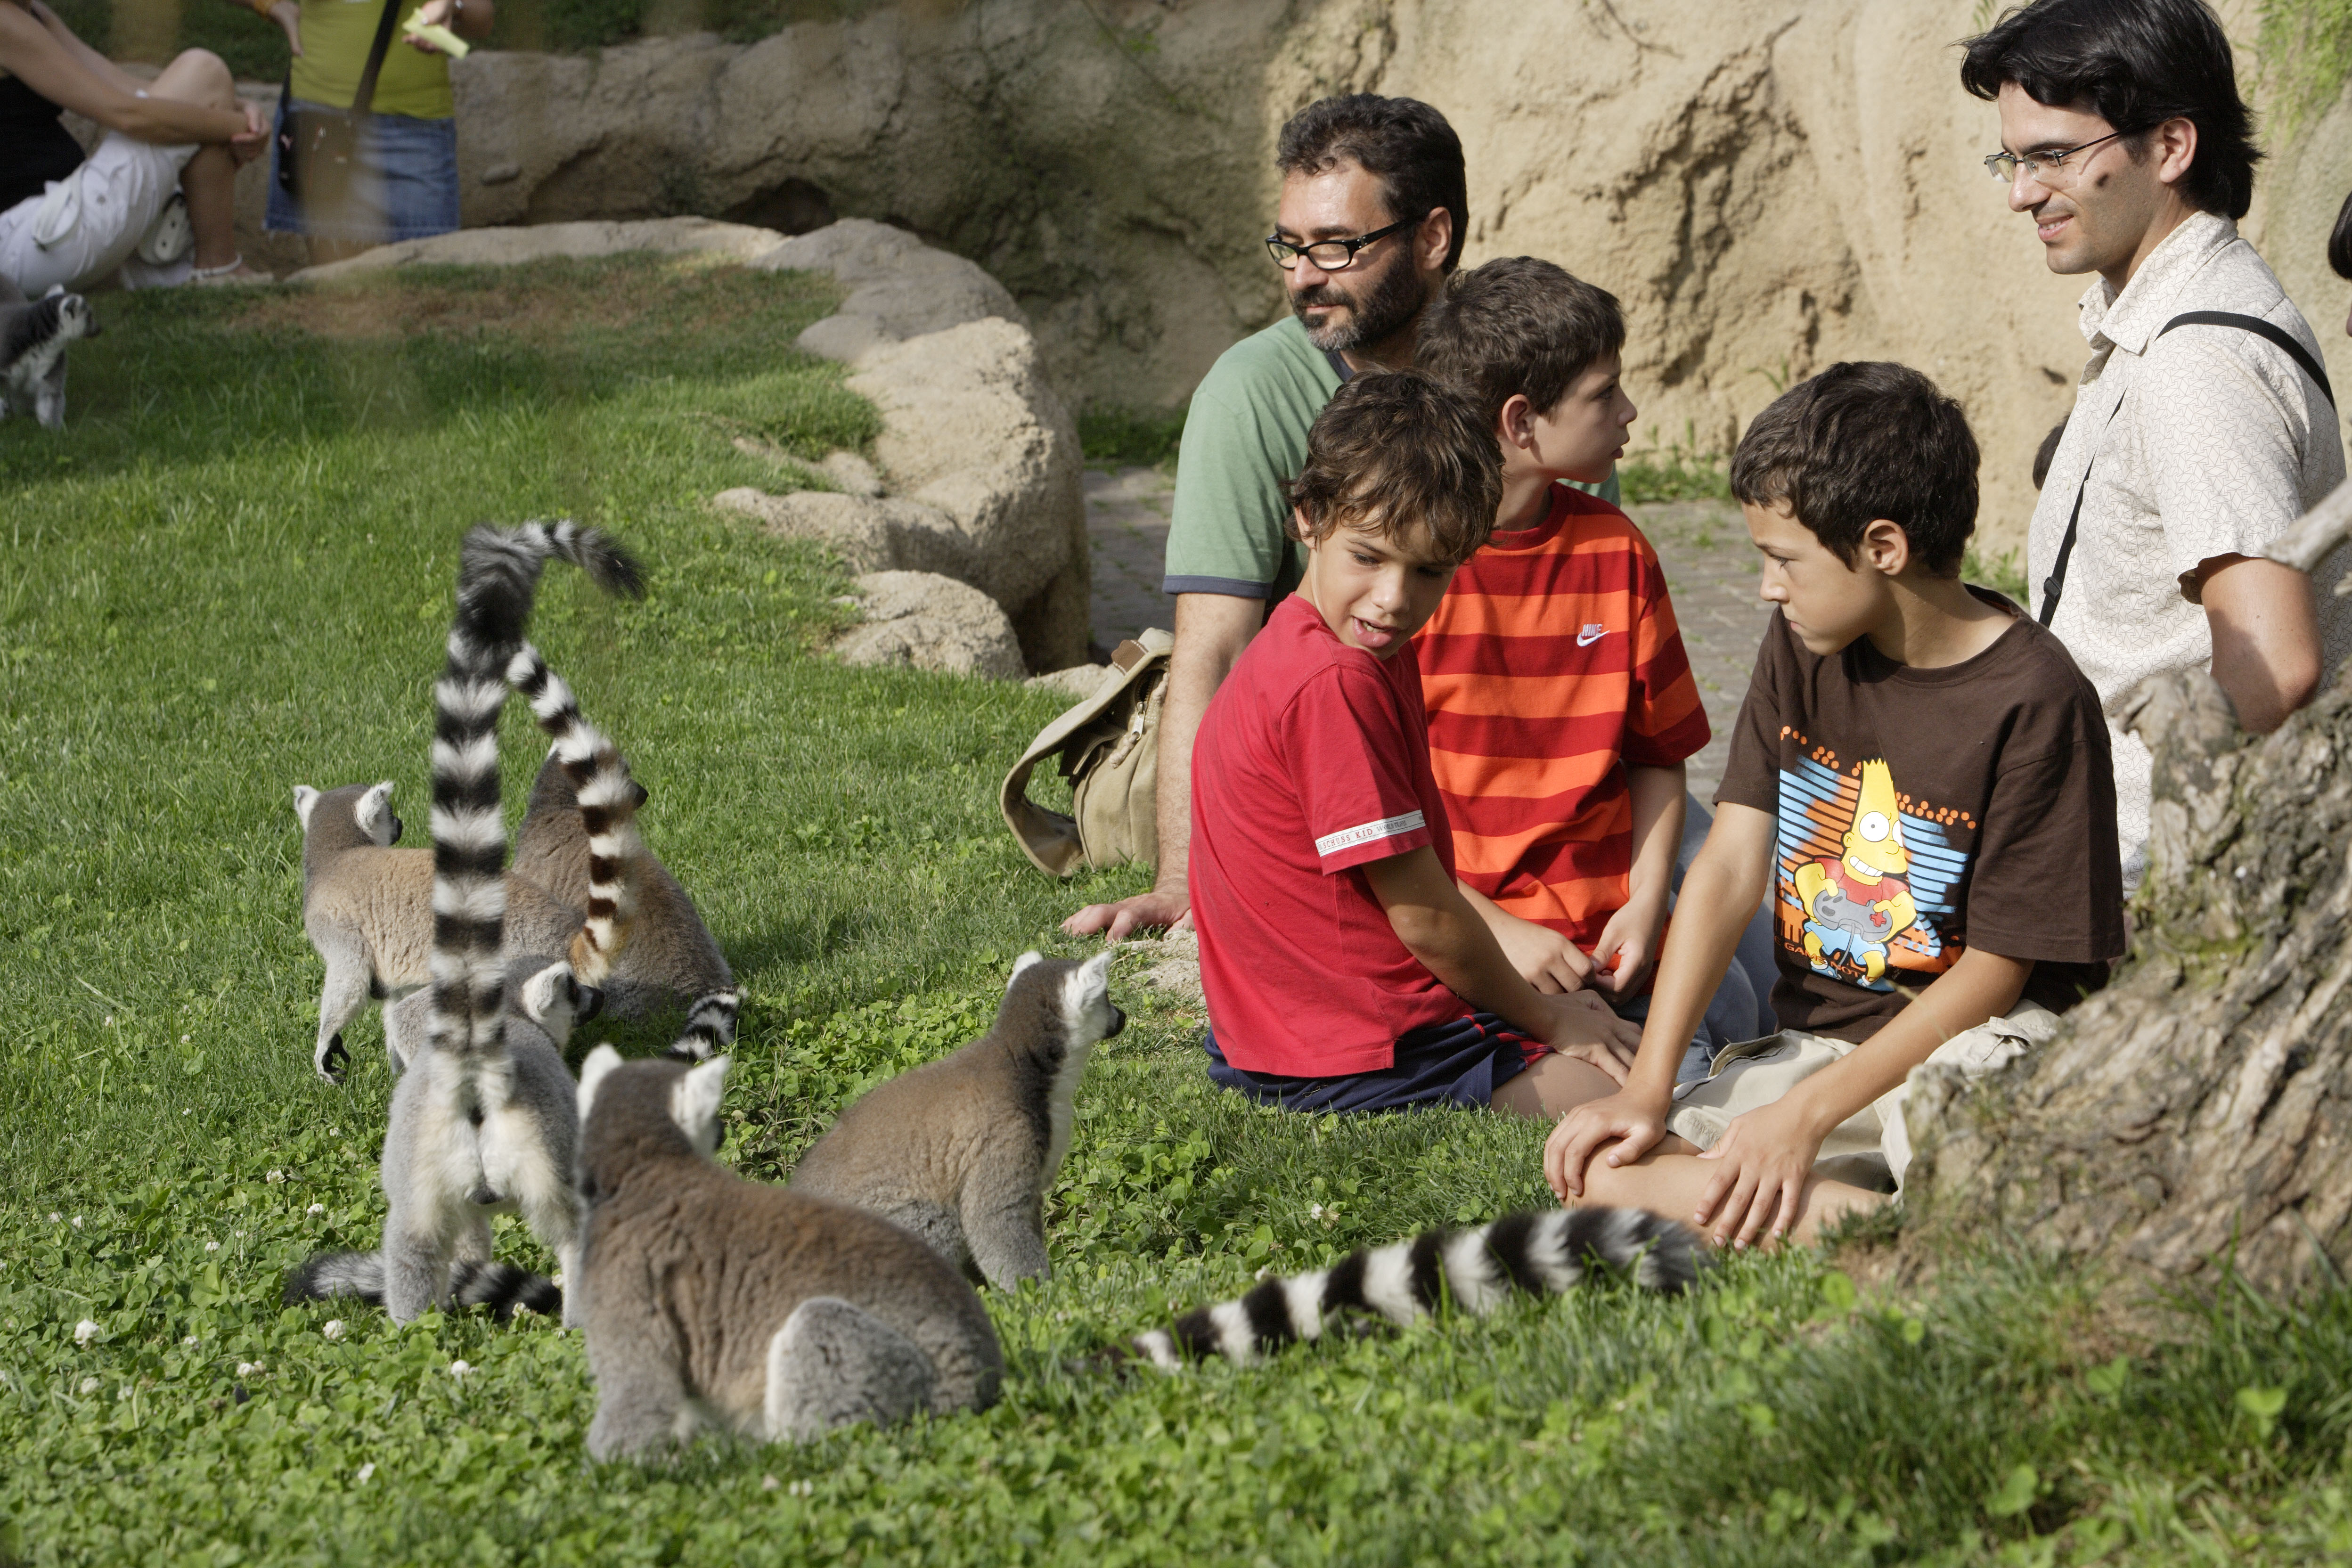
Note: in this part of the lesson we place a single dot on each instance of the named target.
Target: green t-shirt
(335, 38)
(1245, 438)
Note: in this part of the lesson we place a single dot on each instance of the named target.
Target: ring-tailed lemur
(1535, 1254)
(368, 907)
(484, 1117)
(615, 861)
(961, 1151)
(671, 960)
(33, 339)
(757, 1309)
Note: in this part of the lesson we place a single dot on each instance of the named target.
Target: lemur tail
(710, 1026)
(501, 1287)
(1535, 1254)
(608, 799)
(498, 578)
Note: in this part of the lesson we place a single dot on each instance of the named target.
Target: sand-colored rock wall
(1768, 184)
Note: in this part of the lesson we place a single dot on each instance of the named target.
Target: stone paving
(1710, 569)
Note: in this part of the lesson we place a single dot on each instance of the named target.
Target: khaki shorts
(1872, 1148)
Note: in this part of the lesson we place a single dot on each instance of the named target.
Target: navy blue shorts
(1461, 1063)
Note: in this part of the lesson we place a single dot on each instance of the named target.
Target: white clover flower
(460, 1368)
(803, 1488)
(246, 1369)
(316, 1209)
(211, 1247)
(109, 1020)
(275, 1176)
(75, 1222)
(334, 1329)
(557, 1279)
(1263, 1272)
(768, 1483)
(85, 1332)
(183, 1039)
(190, 1341)
(334, 1133)
(54, 1217)
(90, 1385)
(365, 1471)
(1315, 1211)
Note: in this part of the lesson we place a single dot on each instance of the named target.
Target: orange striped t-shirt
(1552, 663)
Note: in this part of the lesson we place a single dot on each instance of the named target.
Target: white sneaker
(170, 236)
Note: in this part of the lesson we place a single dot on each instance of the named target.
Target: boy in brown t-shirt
(1920, 777)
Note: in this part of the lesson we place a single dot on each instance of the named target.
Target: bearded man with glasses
(2204, 425)
(1372, 218)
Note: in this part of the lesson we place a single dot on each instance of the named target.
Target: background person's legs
(209, 180)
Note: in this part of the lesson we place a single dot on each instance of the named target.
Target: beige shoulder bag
(1109, 747)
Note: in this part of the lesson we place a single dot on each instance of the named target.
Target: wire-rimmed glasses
(2047, 167)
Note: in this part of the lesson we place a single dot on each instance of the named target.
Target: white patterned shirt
(2207, 442)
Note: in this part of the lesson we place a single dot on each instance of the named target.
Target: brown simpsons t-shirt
(1923, 812)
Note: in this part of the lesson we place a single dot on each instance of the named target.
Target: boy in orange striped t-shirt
(1561, 707)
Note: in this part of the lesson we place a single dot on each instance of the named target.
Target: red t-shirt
(1313, 760)
(1552, 665)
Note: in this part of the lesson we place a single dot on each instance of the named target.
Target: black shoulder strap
(2276, 335)
(2056, 583)
(365, 95)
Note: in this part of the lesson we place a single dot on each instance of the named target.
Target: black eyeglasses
(2047, 167)
(1331, 255)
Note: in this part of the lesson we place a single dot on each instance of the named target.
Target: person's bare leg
(209, 180)
(1672, 1185)
(1552, 1088)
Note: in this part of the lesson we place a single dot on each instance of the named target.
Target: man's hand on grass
(1629, 1122)
(1145, 912)
(1767, 1156)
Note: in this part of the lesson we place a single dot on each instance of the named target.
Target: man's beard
(1385, 308)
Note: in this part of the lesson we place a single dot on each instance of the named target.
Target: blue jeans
(405, 186)
(1742, 1006)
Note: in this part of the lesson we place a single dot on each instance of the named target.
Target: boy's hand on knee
(1582, 1026)
(1629, 1122)
(1766, 1157)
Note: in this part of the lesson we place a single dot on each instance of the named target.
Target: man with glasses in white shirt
(2203, 425)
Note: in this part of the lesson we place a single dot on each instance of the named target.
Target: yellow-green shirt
(335, 38)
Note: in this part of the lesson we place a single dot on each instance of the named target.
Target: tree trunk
(2202, 1103)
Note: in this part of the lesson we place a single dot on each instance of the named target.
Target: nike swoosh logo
(1587, 637)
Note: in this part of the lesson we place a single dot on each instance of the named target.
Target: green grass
(231, 573)
(1677, 471)
(1119, 438)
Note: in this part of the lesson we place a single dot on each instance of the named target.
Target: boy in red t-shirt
(1561, 708)
(1343, 968)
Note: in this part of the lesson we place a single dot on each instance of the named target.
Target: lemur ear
(374, 812)
(1094, 977)
(601, 1061)
(306, 799)
(694, 1102)
(1022, 963)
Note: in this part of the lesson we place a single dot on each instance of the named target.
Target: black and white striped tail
(498, 578)
(608, 800)
(1548, 1253)
(359, 1276)
(710, 1026)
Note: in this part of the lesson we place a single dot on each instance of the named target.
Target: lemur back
(962, 1151)
(483, 1117)
(671, 959)
(759, 1310)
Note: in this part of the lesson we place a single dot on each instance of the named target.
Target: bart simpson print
(1857, 904)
